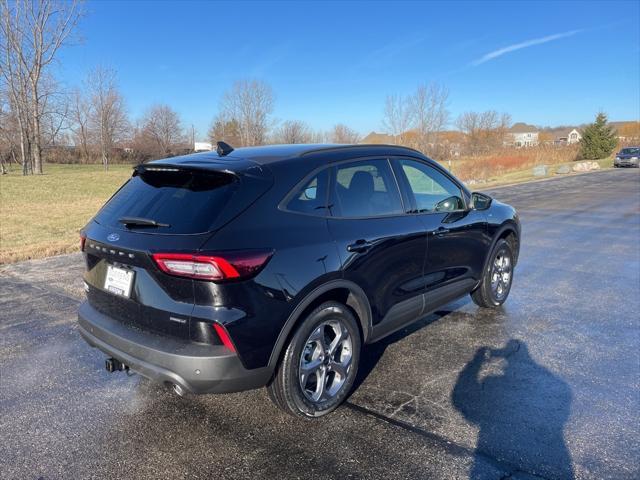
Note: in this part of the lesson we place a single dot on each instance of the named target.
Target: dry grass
(41, 215)
(483, 168)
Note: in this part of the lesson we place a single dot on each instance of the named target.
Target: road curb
(557, 177)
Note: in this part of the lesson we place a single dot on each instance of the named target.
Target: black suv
(230, 270)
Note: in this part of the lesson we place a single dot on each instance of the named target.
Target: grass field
(41, 215)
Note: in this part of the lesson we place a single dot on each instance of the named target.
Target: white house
(573, 137)
(523, 135)
(568, 137)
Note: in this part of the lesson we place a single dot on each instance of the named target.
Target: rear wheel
(320, 363)
(497, 278)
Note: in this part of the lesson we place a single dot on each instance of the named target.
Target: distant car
(627, 157)
(220, 272)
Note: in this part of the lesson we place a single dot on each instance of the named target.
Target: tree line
(91, 123)
(31, 108)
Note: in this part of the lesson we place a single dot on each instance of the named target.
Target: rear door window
(181, 201)
(365, 188)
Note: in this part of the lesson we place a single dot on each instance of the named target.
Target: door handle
(441, 231)
(360, 246)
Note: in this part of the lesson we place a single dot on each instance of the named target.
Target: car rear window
(182, 201)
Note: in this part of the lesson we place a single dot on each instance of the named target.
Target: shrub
(598, 139)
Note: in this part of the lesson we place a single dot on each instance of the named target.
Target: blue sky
(546, 63)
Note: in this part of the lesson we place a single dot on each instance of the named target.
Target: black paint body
(414, 262)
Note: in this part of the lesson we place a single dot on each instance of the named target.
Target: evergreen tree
(598, 139)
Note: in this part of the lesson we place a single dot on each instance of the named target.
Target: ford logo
(113, 237)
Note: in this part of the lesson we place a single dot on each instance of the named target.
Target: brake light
(83, 240)
(224, 337)
(219, 267)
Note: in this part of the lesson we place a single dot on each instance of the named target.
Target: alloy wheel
(501, 275)
(325, 361)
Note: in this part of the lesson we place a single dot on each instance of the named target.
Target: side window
(311, 198)
(433, 191)
(364, 189)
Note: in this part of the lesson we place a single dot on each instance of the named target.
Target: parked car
(627, 157)
(273, 266)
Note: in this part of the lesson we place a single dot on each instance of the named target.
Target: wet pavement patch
(546, 387)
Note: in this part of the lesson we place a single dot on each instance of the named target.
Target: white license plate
(118, 281)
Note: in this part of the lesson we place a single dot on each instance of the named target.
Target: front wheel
(497, 278)
(320, 363)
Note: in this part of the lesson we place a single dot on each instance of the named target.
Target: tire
(496, 281)
(310, 347)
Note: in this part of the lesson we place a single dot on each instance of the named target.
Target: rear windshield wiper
(141, 222)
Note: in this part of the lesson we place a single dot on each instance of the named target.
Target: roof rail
(357, 145)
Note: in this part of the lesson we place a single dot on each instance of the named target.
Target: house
(378, 138)
(568, 137)
(522, 135)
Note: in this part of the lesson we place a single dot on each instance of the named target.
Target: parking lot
(547, 387)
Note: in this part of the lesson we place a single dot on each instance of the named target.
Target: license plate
(118, 281)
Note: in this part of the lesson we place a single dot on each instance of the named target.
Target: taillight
(224, 337)
(219, 267)
(83, 240)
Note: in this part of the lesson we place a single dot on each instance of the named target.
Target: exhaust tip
(113, 365)
(178, 390)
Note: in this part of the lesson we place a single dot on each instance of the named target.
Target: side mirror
(480, 201)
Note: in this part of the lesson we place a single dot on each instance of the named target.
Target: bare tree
(162, 127)
(80, 117)
(108, 114)
(293, 131)
(32, 33)
(397, 117)
(343, 134)
(429, 114)
(483, 130)
(318, 136)
(55, 116)
(15, 78)
(249, 103)
(9, 132)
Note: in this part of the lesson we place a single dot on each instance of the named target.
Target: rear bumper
(196, 368)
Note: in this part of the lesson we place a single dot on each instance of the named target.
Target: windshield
(173, 201)
(630, 151)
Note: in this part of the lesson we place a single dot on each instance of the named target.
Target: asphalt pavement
(547, 387)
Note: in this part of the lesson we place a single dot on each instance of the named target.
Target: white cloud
(519, 46)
